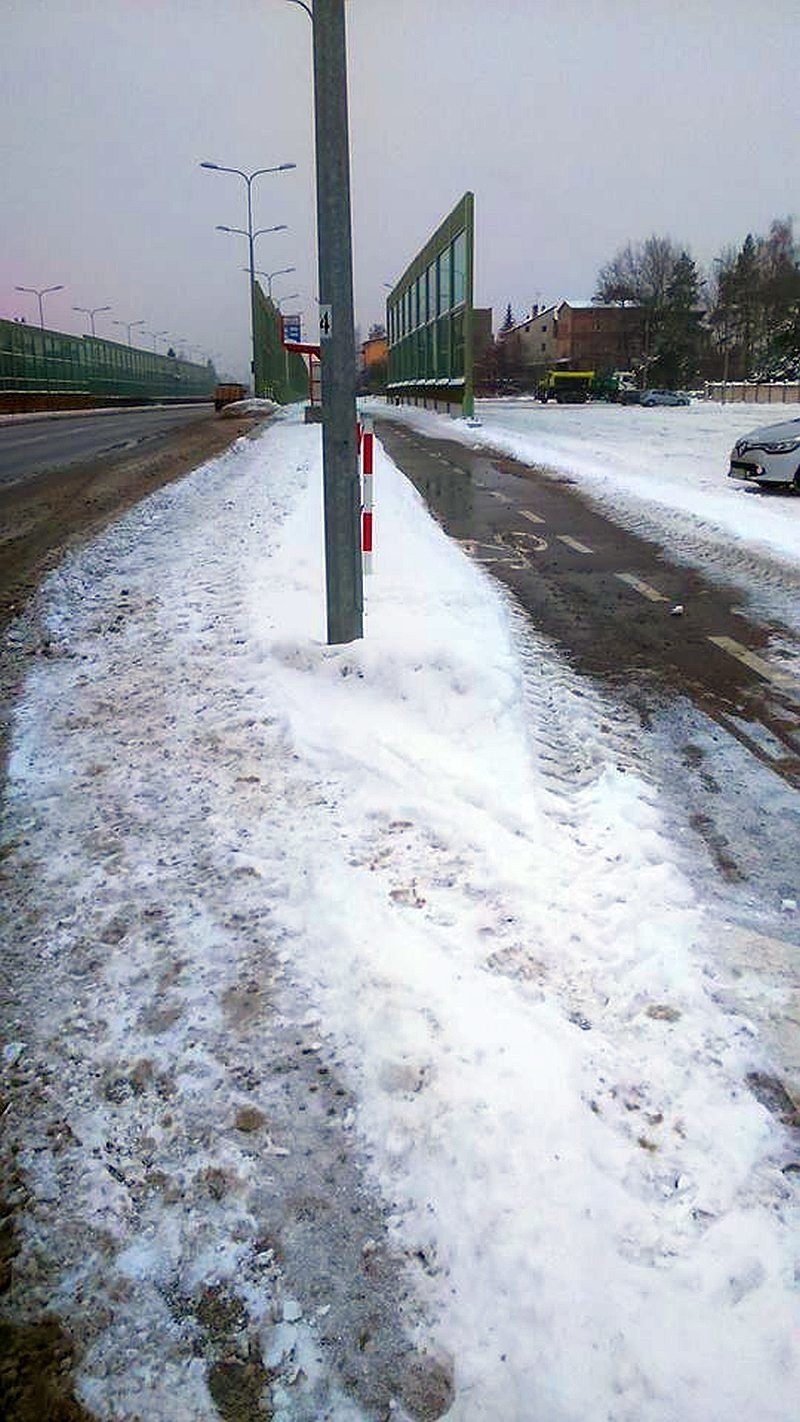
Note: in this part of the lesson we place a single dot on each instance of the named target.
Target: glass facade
(429, 315)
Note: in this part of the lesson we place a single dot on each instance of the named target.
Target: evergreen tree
(678, 341)
(755, 314)
(508, 321)
(781, 297)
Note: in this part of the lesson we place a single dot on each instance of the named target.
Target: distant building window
(544, 345)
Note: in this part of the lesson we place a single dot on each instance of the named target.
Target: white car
(770, 455)
(663, 397)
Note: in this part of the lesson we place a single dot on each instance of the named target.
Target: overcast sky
(578, 124)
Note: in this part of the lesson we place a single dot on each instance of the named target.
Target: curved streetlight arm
(39, 292)
(243, 232)
(129, 326)
(304, 6)
(91, 312)
(248, 177)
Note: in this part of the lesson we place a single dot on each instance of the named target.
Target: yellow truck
(226, 394)
(568, 387)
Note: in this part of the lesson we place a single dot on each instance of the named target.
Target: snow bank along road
(372, 1047)
(63, 478)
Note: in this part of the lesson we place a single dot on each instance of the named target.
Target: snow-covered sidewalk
(427, 865)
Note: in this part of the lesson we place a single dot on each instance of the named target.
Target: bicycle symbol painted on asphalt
(510, 551)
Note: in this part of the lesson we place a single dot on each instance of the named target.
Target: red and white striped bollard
(367, 455)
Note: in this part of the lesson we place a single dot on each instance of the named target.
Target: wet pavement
(611, 600)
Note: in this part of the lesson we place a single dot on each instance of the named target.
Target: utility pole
(342, 495)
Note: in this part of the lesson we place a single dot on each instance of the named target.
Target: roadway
(30, 447)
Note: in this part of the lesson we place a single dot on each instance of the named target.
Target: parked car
(769, 455)
(663, 397)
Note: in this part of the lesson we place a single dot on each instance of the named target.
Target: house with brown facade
(599, 338)
(571, 335)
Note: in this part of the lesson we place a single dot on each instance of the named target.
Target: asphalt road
(32, 447)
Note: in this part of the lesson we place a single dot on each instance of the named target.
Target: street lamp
(282, 271)
(341, 488)
(155, 337)
(91, 312)
(281, 227)
(128, 326)
(40, 292)
(249, 179)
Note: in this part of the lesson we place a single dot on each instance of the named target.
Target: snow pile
(438, 840)
(253, 405)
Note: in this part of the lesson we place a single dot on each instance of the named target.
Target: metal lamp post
(91, 312)
(128, 326)
(39, 292)
(269, 276)
(249, 179)
(342, 494)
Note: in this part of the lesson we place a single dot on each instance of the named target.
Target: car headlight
(784, 447)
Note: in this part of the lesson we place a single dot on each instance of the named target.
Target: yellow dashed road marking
(755, 663)
(573, 543)
(652, 594)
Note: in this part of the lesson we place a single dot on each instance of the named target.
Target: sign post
(342, 500)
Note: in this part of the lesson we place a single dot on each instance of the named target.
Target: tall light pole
(342, 495)
(270, 276)
(155, 337)
(91, 312)
(249, 179)
(128, 326)
(39, 292)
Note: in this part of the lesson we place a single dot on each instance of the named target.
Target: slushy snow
(442, 833)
